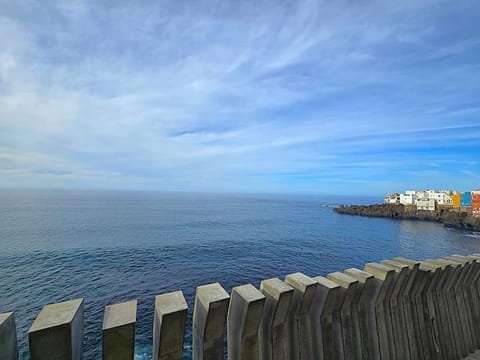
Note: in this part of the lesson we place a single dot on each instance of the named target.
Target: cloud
(237, 96)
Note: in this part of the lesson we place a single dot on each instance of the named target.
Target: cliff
(447, 216)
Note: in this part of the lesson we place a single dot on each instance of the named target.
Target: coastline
(459, 219)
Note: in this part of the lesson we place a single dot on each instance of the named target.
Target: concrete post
(57, 332)
(301, 319)
(397, 305)
(444, 326)
(273, 333)
(119, 331)
(209, 319)
(366, 312)
(243, 319)
(382, 309)
(463, 299)
(169, 326)
(454, 309)
(472, 289)
(329, 334)
(349, 314)
(418, 282)
(8, 337)
(465, 314)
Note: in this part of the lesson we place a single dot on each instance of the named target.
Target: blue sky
(329, 97)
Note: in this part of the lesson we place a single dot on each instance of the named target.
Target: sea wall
(460, 219)
(393, 309)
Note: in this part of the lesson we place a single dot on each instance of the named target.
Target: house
(465, 199)
(456, 200)
(407, 199)
(392, 199)
(425, 204)
(475, 202)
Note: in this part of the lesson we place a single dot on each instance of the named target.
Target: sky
(265, 96)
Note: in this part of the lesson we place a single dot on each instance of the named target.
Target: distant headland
(453, 209)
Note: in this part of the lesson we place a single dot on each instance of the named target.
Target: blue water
(109, 247)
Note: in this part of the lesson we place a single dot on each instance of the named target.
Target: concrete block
(417, 284)
(404, 326)
(57, 332)
(349, 314)
(447, 334)
(329, 336)
(169, 326)
(119, 331)
(366, 312)
(273, 332)
(209, 319)
(382, 309)
(301, 320)
(471, 289)
(459, 293)
(243, 320)
(8, 337)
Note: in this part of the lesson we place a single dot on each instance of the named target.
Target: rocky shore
(447, 216)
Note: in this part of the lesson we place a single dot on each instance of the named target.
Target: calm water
(109, 247)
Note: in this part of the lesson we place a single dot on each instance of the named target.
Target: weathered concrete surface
(382, 309)
(273, 332)
(209, 319)
(301, 320)
(169, 326)
(243, 320)
(57, 332)
(463, 297)
(444, 330)
(8, 337)
(329, 336)
(402, 326)
(119, 331)
(366, 312)
(352, 345)
(417, 284)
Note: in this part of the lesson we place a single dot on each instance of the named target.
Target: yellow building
(456, 200)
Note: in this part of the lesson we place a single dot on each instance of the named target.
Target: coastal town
(433, 200)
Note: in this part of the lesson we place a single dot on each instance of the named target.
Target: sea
(108, 247)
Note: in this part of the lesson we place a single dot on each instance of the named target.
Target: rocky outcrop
(447, 216)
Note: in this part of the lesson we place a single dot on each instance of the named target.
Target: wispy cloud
(239, 96)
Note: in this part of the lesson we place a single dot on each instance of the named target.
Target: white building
(425, 204)
(392, 199)
(442, 197)
(408, 198)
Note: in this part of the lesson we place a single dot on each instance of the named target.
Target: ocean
(109, 247)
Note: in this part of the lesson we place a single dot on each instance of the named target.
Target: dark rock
(448, 216)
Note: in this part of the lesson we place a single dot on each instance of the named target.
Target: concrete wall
(394, 309)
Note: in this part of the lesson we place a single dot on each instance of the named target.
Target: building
(407, 199)
(425, 204)
(456, 200)
(392, 199)
(475, 202)
(465, 199)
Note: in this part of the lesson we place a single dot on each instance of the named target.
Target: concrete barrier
(366, 312)
(402, 326)
(396, 309)
(329, 336)
(169, 326)
(301, 319)
(8, 337)
(352, 345)
(57, 332)
(273, 333)
(119, 331)
(243, 320)
(382, 309)
(209, 319)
